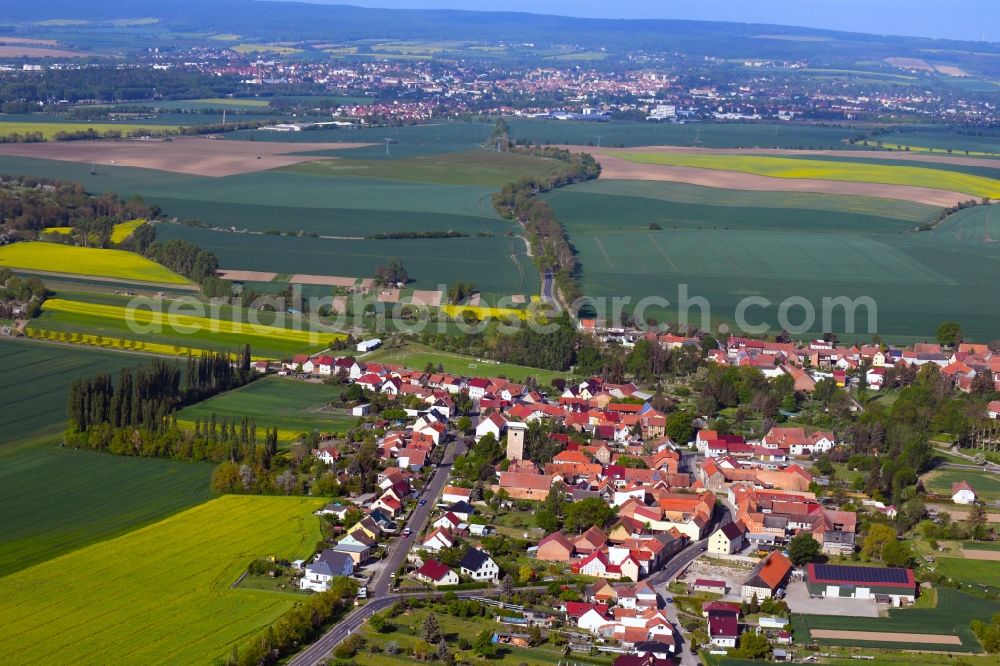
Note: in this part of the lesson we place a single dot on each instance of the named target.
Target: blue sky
(956, 19)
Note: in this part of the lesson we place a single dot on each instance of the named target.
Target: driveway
(797, 598)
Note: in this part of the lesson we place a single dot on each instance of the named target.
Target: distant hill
(292, 21)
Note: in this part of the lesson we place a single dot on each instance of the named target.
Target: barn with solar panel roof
(893, 585)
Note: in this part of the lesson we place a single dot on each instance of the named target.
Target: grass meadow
(954, 611)
(168, 583)
(418, 356)
(93, 262)
(293, 406)
(857, 171)
(986, 485)
(726, 246)
(58, 499)
(35, 382)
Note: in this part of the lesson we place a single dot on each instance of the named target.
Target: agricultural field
(726, 245)
(168, 582)
(123, 230)
(944, 139)
(976, 226)
(483, 167)
(954, 611)
(986, 485)
(430, 262)
(293, 406)
(177, 325)
(94, 262)
(418, 356)
(49, 129)
(58, 499)
(970, 571)
(34, 404)
(796, 168)
(709, 135)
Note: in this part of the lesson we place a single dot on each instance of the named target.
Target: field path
(110, 280)
(889, 637)
(616, 168)
(604, 251)
(666, 256)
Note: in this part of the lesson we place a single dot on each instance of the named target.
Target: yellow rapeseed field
(482, 312)
(49, 130)
(123, 230)
(160, 594)
(859, 172)
(94, 262)
(185, 323)
(121, 344)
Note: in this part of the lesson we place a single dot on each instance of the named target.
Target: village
(640, 544)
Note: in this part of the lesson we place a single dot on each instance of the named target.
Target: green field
(92, 262)
(977, 226)
(970, 572)
(294, 407)
(430, 262)
(954, 611)
(857, 171)
(729, 245)
(158, 594)
(986, 485)
(57, 500)
(417, 356)
(483, 167)
(34, 401)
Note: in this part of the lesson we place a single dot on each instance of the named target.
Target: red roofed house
(555, 548)
(962, 493)
(993, 409)
(436, 574)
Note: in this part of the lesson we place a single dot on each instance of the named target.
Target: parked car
(406, 532)
(422, 502)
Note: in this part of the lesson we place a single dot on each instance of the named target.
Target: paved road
(548, 290)
(379, 594)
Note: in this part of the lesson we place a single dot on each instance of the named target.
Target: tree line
(29, 204)
(518, 201)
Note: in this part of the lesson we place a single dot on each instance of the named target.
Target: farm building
(368, 345)
(832, 580)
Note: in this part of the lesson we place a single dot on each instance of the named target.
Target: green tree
(591, 512)
(949, 334)
(484, 645)
(464, 425)
(875, 541)
(897, 553)
(803, 548)
(680, 427)
(432, 630)
(753, 645)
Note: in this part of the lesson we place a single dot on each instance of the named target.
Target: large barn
(833, 580)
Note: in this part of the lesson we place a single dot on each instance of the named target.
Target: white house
(592, 621)
(962, 493)
(477, 387)
(436, 574)
(993, 409)
(437, 539)
(327, 566)
(494, 424)
(479, 566)
(726, 540)
(452, 494)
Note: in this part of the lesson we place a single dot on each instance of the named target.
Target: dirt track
(986, 555)
(198, 156)
(616, 168)
(888, 637)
